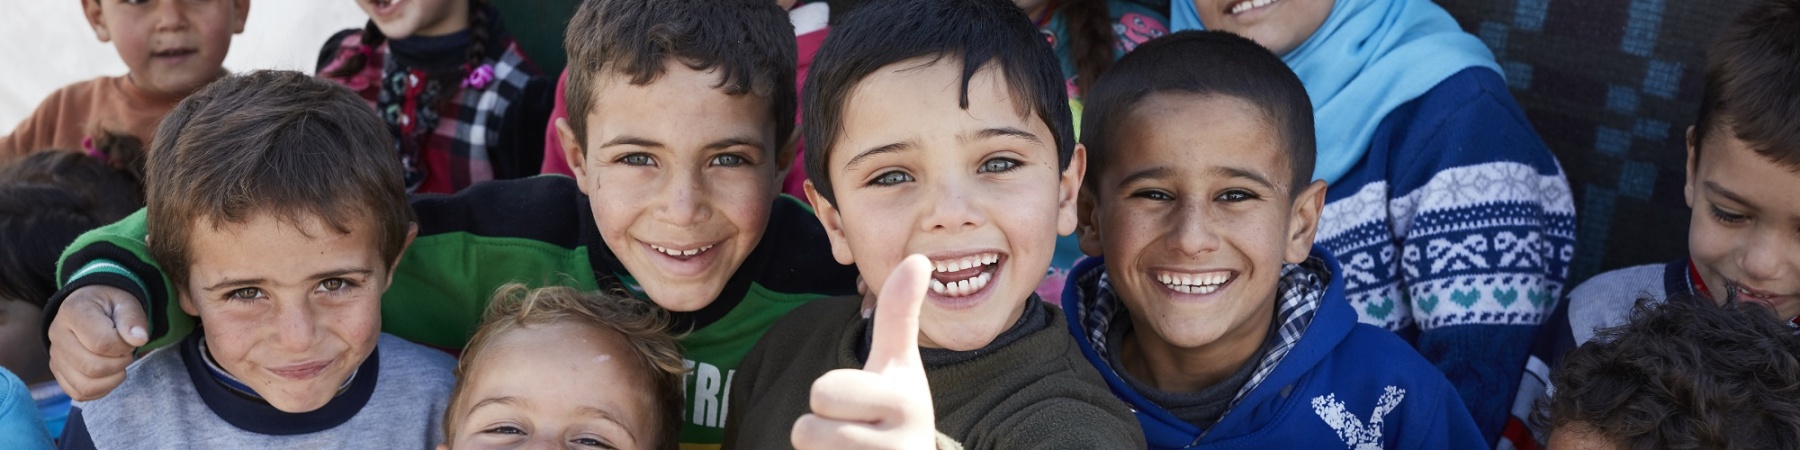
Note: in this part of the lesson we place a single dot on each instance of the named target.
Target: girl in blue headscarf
(1452, 220)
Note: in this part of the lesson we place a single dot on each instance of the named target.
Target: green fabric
(1037, 393)
(444, 282)
(129, 234)
(537, 25)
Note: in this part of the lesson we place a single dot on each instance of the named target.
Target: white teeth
(961, 288)
(1193, 283)
(965, 263)
(682, 253)
(1249, 5)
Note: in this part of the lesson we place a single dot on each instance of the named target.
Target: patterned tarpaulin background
(1611, 85)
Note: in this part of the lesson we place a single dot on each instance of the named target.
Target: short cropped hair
(1202, 63)
(978, 32)
(1750, 86)
(272, 142)
(644, 326)
(49, 198)
(1685, 373)
(750, 43)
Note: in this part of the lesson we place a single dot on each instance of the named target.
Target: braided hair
(372, 37)
(1090, 40)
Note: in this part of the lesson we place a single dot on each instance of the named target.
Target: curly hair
(642, 324)
(1683, 374)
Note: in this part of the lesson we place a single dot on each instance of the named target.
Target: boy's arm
(95, 322)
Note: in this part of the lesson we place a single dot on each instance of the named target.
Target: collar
(258, 416)
(1300, 292)
(237, 386)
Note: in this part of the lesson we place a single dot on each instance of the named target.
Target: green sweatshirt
(539, 231)
(1037, 392)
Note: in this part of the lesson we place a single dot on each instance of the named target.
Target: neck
(177, 94)
(457, 19)
(1012, 319)
(1176, 369)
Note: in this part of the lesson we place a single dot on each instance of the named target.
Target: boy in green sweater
(938, 128)
(680, 109)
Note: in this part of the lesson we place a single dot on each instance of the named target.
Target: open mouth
(1248, 5)
(682, 254)
(1195, 283)
(174, 52)
(385, 6)
(963, 276)
(1749, 294)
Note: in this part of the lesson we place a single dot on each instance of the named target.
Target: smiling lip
(1759, 296)
(963, 279)
(685, 260)
(386, 7)
(1245, 6)
(301, 371)
(1193, 283)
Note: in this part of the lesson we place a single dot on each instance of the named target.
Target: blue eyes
(996, 165)
(644, 159)
(891, 178)
(999, 165)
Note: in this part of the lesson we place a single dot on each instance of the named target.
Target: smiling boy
(1743, 184)
(949, 139)
(1206, 306)
(171, 47)
(280, 217)
(681, 107)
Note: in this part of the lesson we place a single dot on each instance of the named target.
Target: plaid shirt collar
(1300, 291)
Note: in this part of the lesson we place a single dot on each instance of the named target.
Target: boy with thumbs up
(949, 139)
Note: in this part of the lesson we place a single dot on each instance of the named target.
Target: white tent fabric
(45, 44)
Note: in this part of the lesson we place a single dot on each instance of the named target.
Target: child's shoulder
(552, 208)
(413, 371)
(1606, 299)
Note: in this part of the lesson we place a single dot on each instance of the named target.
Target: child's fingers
(895, 343)
(857, 396)
(814, 432)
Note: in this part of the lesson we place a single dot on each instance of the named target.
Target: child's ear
(187, 304)
(834, 225)
(1687, 189)
(91, 9)
(412, 231)
(240, 13)
(1069, 192)
(572, 152)
(1087, 234)
(1303, 224)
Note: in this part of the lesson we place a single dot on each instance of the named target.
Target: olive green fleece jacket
(1038, 392)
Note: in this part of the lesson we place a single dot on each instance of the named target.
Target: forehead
(573, 363)
(919, 101)
(1729, 163)
(680, 102)
(1198, 132)
(302, 240)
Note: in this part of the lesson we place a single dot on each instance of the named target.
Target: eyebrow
(729, 142)
(601, 413)
(1716, 188)
(233, 283)
(1233, 172)
(990, 133)
(1146, 174)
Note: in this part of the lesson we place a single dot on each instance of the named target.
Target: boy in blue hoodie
(1207, 307)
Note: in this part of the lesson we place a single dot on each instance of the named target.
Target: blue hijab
(1368, 58)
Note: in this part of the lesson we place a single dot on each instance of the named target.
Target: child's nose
(1192, 233)
(1766, 255)
(171, 15)
(950, 208)
(684, 200)
(295, 327)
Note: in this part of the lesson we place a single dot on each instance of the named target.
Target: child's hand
(92, 339)
(887, 404)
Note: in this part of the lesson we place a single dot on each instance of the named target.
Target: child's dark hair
(1685, 374)
(1091, 40)
(644, 326)
(978, 32)
(372, 37)
(1750, 87)
(748, 43)
(49, 198)
(272, 142)
(1202, 63)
